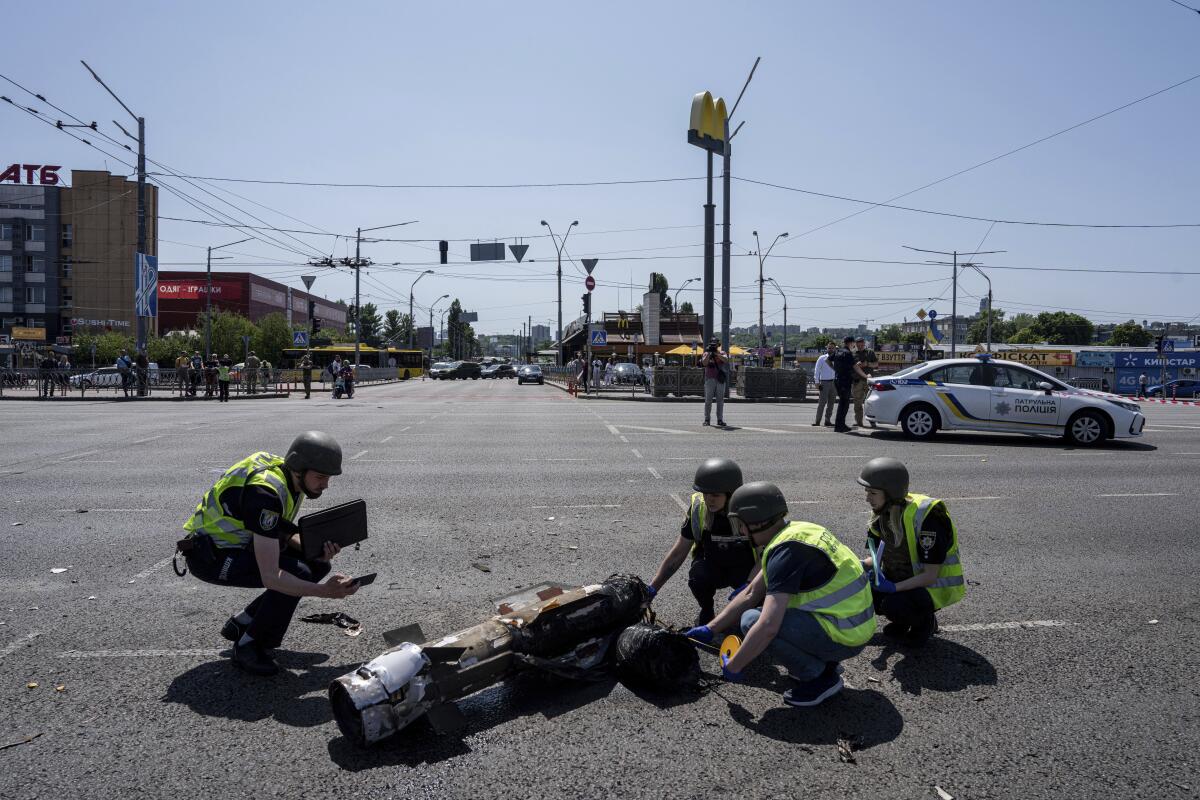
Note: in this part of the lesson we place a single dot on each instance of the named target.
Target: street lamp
(431, 305)
(560, 247)
(783, 352)
(680, 289)
(989, 302)
(762, 336)
(208, 299)
(411, 323)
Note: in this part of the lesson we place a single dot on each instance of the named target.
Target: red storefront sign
(44, 174)
(196, 290)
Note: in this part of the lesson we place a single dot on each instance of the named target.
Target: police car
(981, 394)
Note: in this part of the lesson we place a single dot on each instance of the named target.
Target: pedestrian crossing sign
(599, 338)
(300, 338)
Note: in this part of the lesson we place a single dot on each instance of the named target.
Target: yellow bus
(407, 363)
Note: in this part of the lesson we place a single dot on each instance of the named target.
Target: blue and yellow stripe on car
(959, 410)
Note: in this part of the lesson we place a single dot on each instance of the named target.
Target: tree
(396, 327)
(1026, 335)
(686, 307)
(108, 346)
(272, 336)
(163, 350)
(1001, 329)
(370, 324)
(912, 337)
(819, 341)
(1061, 327)
(658, 283)
(228, 328)
(454, 339)
(1130, 333)
(890, 334)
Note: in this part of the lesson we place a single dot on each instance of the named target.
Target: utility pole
(989, 301)
(208, 298)
(783, 352)
(357, 264)
(530, 330)
(431, 336)
(141, 186)
(559, 247)
(954, 282)
(762, 257)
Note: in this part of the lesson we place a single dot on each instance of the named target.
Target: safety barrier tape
(1168, 401)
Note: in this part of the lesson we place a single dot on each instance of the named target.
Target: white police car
(984, 394)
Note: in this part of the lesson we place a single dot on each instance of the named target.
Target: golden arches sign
(708, 121)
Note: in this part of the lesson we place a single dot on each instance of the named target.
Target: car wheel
(1087, 428)
(405, 374)
(474, 377)
(919, 421)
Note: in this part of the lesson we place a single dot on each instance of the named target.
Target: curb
(151, 399)
(645, 398)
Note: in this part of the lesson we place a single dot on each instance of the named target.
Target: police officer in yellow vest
(815, 602)
(243, 534)
(914, 566)
(720, 557)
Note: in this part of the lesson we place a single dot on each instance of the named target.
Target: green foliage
(271, 336)
(1001, 329)
(108, 347)
(913, 338)
(228, 328)
(397, 327)
(1025, 335)
(686, 307)
(371, 324)
(658, 283)
(890, 334)
(163, 350)
(1061, 327)
(1130, 333)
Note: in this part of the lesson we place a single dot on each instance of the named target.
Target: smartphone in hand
(365, 579)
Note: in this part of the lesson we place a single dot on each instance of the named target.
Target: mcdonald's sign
(707, 127)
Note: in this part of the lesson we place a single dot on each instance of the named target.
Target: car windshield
(442, 365)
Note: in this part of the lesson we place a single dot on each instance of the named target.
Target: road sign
(590, 283)
(518, 251)
(300, 338)
(589, 264)
(1168, 345)
(308, 280)
(599, 339)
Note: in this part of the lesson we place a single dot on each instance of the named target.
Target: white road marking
(90, 461)
(1006, 626)
(623, 439)
(804, 502)
(613, 430)
(635, 452)
(963, 455)
(654, 472)
(406, 427)
(146, 572)
(148, 439)
(1189, 427)
(986, 497)
(678, 501)
(116, 510)
(1142, 494)
(554, 459)
(12, 647)
(358, 455)
(1184, 454)
(78, 455)
(139, 653)
(385, 441)
(761, 430)
(388, 461)
(835, 456)
(660, 430)
(601, 505)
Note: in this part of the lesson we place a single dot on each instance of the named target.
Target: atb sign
(300, 338)
(598, 338)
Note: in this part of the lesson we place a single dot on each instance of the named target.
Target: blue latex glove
(727, 673)
(733, 594)
(650, 590)
(884, 586)
(701, 634)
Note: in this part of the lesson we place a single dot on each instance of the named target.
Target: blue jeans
(802, 646)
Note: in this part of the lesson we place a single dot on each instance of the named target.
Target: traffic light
(587, 304)
(316, 325)
(443, 249)
(1158, 343)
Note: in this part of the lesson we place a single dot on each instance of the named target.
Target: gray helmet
(718, 476)
(889, 475)
(317, 451)
(758, 502)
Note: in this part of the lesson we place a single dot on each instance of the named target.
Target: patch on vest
(268, 520)
(927, 541)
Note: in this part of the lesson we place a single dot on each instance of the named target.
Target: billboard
(145, 285)
(1039, 359)
(196, 290)
(1152, 360)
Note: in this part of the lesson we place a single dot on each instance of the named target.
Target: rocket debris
(561, 630)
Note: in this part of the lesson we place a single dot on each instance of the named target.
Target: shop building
(182, 297)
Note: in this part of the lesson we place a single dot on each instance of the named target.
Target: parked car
(498, 371)
(979, 394)
(1181, 388)
(441, 370)
(628, 373)
(109, 376)
(530, 373)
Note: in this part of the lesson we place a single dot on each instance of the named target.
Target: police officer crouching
(816, 605)
(914, 564)
(243, 534)
(720, 558)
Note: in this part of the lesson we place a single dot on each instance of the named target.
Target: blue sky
(859, 99)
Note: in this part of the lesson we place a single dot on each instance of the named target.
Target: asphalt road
(1069, 670)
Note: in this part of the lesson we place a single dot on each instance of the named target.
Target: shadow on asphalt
(939, 666)
(1007, 440)
(219, 689)
(864, 716)
(525, 694)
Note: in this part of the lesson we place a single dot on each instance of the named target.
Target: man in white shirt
(827, 392)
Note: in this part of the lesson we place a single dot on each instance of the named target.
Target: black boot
(922, 631)
(254, 659)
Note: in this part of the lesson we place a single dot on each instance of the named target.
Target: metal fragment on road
(1152, 622)
(943, 794)
(26, 740)
(481, 567)
(846, 751)
(58, 570)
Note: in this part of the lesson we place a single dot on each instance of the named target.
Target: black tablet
(344, 524)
